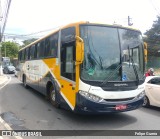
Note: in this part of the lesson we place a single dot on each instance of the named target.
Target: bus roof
(76, 24)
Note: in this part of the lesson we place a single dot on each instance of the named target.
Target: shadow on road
(152, 109)
(111, 121)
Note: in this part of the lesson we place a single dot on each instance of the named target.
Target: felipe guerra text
(146, 133)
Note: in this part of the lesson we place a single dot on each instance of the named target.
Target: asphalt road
(27, 109)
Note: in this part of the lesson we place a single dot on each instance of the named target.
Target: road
(27, 109)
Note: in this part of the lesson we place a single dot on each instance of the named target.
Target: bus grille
(116, 100)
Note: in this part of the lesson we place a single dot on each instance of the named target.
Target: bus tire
(24, 82)
(146, 102)
(52, 96)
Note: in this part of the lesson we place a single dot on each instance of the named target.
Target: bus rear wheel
(24, 82)
(52, 96)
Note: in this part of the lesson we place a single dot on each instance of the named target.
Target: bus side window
(23, 54)
(20, 56)
(38, 50)
(35, 52)
(53, 45)
(29, 53)
(27, 50)
(42, 49)
(32, 49)
(47, 47)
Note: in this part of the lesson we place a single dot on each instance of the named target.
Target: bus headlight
(90, 96)
(139, 96)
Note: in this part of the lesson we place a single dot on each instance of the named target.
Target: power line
(42, 31)
(31, 35)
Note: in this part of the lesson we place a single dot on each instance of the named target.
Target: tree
(10, 49)
(153, 38)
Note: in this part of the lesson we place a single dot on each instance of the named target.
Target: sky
(30, 16)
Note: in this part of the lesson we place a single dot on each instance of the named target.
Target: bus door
(67, 67)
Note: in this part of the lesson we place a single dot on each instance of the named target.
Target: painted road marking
(6, 82)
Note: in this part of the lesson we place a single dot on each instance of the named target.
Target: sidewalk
(3, 80)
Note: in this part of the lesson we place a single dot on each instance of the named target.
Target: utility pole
(1, 72)
(3, 21)
(130, 21)
(5, 46)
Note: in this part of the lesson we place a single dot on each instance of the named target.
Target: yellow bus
(88, 68)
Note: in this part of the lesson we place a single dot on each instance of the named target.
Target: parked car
(9, 69)
(152, 90)
(16, 71)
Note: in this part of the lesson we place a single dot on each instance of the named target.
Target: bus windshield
(111, 54)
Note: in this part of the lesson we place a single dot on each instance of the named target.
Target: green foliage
(153, 38)
(10, 48)
(154, 32)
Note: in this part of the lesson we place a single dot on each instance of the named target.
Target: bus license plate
(121, 107)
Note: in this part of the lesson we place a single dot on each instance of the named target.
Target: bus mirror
(145, 52)
(79, 50)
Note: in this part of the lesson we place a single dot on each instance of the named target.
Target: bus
(5, 61)
(88, 68)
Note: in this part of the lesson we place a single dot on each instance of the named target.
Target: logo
(6, 133)
(121, 84)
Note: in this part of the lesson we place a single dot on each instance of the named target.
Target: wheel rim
(145, 101)
(53, 96)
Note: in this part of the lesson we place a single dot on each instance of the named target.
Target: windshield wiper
(133, 64)
(100, 59)
(135, 70)
(111, 75)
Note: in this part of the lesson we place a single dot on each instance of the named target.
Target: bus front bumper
(86, 106)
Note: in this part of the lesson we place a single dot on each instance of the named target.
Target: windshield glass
(132, 54)
(110, 54)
